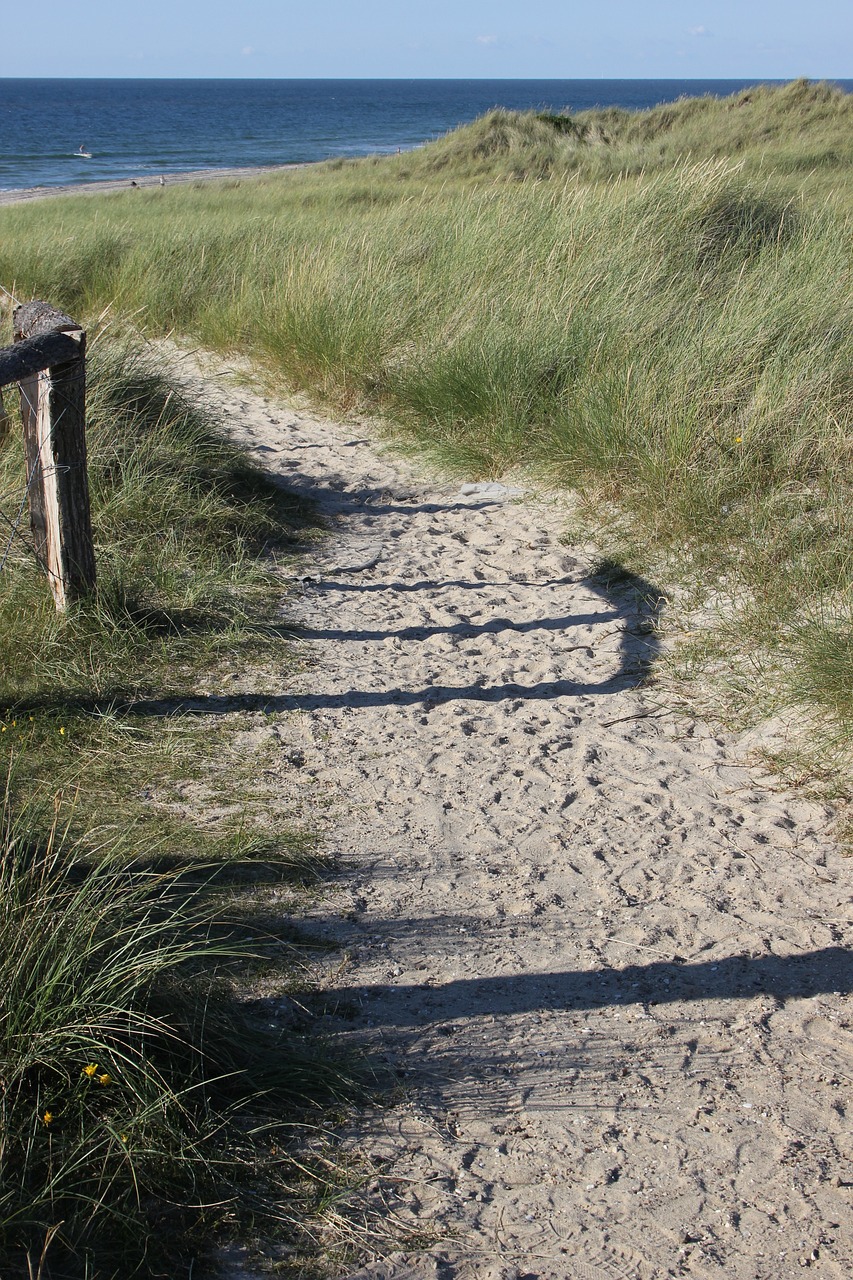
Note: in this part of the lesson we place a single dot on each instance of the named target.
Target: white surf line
(512, 820)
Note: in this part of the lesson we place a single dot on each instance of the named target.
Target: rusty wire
(14, 523)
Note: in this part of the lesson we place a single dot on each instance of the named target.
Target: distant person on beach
(162, 181)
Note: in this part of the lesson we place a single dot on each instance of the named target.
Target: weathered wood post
(53, 409)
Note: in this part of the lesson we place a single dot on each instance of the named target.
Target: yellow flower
(105, 1079)
(738, 439)
(90, 1069)
(47, 1117)
(123, 1137)
(62, 730)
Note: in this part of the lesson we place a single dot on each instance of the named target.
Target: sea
(138, 128)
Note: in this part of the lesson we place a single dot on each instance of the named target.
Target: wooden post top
(31, 319)
(44, 338)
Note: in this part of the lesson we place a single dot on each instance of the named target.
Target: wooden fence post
(53, 409)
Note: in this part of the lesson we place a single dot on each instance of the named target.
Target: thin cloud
(487, 39)
(698, 31)
(247, 51)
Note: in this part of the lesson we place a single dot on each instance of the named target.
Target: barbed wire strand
(15, 524)
(11, 296)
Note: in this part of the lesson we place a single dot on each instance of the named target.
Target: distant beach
(111, 186)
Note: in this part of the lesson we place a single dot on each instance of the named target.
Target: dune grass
(102, 1103)
(801, 128)
(146, 1109)
(182, 523)
(142, 1095)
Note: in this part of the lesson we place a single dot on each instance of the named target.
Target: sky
(502, 39)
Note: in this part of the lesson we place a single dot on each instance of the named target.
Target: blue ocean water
(142, 127)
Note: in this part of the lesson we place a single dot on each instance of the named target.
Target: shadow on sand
(630, 604)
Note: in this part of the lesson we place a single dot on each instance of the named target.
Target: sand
(600, 949)
(109, 186)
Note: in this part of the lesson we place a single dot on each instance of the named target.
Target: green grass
(180, 520)
(135, 927)
(140, 1094)
(94, 1114)
(182, 524)
(798, 128)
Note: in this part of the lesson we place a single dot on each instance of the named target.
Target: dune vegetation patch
(146, 1108)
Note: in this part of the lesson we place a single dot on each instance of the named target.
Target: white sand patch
(605, 956)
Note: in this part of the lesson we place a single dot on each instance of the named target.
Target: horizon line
(398, 79)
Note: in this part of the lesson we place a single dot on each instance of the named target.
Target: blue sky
(775, 39)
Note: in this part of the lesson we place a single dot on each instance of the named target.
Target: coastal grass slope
(653, 308)
(800, 128)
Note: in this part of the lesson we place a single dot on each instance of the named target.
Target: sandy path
(605, 956)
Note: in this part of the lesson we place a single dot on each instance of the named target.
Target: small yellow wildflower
(62, 730)
(123, 1137)
(105, 1079)
(90, 1069)
(47, 1118)
(738, 439)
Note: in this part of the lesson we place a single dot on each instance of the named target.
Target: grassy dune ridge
(652, 307)
(796, 128)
